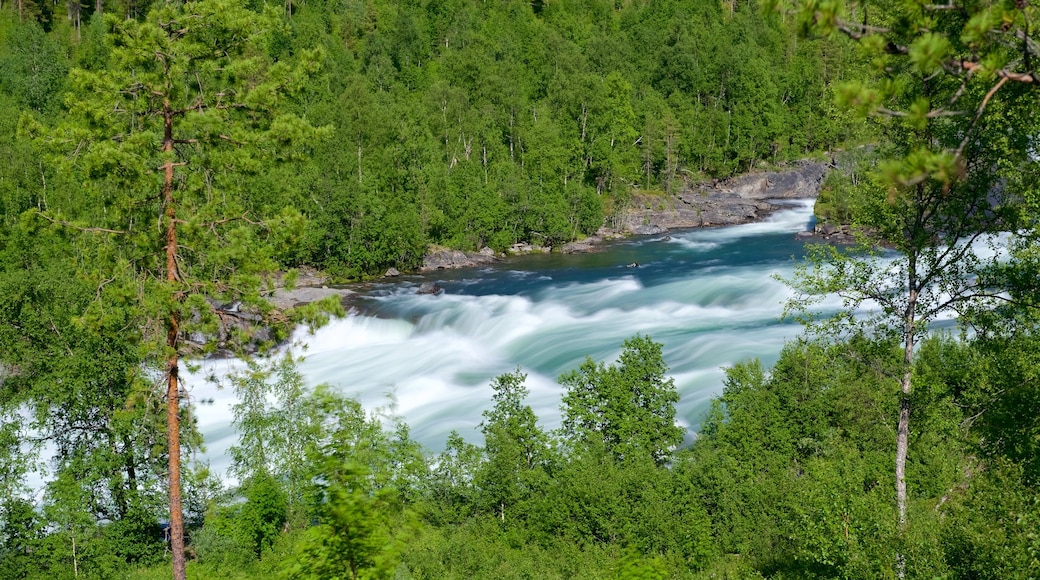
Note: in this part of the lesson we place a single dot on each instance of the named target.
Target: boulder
(392, 273)
(648, 230)
(429, 288)
(581, 246)
(446, 259)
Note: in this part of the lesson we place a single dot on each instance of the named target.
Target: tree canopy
(164, 165)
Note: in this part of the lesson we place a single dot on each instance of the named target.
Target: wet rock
(429, 288)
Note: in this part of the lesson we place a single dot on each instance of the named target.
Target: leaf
(928, 51)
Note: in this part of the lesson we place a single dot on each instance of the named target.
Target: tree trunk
(173, 397)
(902, 441)
(903, 428)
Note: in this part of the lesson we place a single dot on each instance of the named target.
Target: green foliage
(793, 466)
(628, 407)
(276, 421)
(360, 474)
(518, 452)
(354, 538)
(467, 126)
(33, 65)
(264, 512)
(991, 525)
(483, 124)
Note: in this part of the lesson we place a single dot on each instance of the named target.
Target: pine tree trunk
(172, 387)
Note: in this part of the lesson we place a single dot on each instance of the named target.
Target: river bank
(746, 198)
(709, 295)
(739, 200)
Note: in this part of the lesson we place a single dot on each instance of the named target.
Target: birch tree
(951, 94)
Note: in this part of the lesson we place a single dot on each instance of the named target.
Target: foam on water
(706, 295)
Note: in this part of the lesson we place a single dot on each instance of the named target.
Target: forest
(166, 165)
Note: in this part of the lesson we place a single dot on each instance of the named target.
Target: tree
(276, 421)
(516, 448)
(360, 476)
(189, 100)
(630, 405)
(954, 169)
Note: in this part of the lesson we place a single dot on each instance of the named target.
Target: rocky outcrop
(590, 243)
(242, 329)
(834, 234)
(742, 199)
(446, 259)
(801, 182)
(284, 299)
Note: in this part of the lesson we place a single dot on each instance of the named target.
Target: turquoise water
(708, 295)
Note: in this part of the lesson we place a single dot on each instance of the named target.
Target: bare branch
(1004, 73)
(978, 115)
(857, 31)
(80, 228)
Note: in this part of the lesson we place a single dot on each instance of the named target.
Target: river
(708, 295)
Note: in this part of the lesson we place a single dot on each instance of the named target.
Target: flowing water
(708, 295)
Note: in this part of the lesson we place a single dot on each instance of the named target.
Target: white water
(707, 295)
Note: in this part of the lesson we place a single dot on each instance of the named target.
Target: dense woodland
(465, 124)
(160, 160)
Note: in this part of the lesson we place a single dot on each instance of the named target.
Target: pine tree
(189, 101)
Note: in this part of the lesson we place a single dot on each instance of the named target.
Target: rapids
(708, 295)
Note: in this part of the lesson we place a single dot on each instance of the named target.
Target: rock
(804, 181)
(633, 265)
(283, 299)
(305, 276)
(486, 251)
(445, 259)
(429, 288)
(526, 248)
(392, 273)
(581, 246)
(648, 230)
(739, 200)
